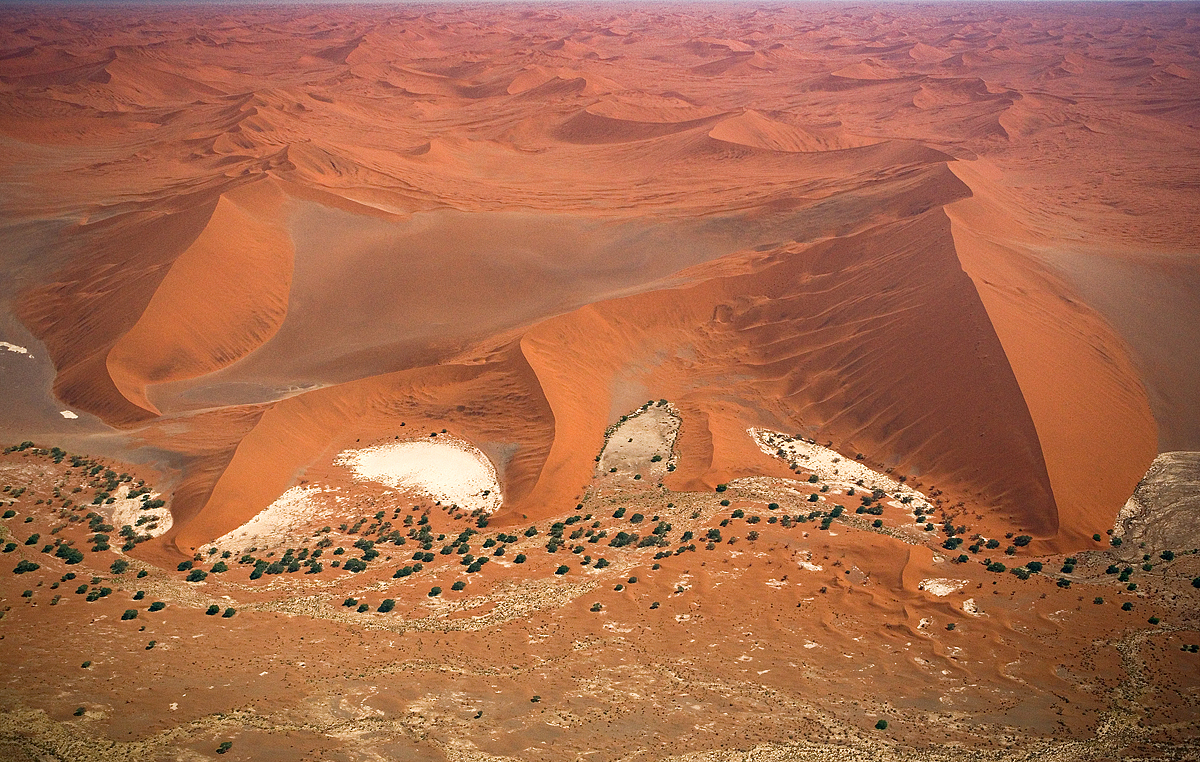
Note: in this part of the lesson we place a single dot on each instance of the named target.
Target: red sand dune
(276, 237)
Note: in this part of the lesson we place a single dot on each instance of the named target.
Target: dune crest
(242, 261)
(756, 130)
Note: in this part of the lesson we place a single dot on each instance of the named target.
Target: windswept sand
(873, 228)
(269, 251)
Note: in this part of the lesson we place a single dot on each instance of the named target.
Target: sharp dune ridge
(250, 155)
(953, 245)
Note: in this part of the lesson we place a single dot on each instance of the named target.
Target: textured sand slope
(811, 338)
(242, 261)
(314, 227)
(1087, 401)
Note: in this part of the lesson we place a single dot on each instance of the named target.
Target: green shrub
(881, 725)
(183, 566)
(157, 606)
(1153, 620)
(224, 747)
(26, 566)
(1022, 540)
(196, 575)
(1126, 606)
(220, 567)
(33, 538)
(435, 592)
(129, 614)
(9, 514)
(74, 555)
(996, 566)
(459, 585)
(213, 610)
(229, 612)
(118, 567)
(562, 569)
(386, 605)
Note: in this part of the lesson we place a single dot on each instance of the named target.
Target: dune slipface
(355, 287)
(553, 154)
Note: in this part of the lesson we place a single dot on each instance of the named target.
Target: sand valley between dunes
(719, 381)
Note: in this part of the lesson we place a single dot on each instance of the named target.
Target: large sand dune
(282, 235)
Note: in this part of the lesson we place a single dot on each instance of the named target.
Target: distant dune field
(958, 245)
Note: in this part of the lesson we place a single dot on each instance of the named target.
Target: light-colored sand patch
(804, 560)
(969, 607)
(449, 470)
(941, 587)
(69, 415)
(127, 511)
(14, 348)
(642, 443)
(275, 523)
(832, 467)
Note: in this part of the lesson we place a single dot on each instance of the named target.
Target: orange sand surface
(955, 244)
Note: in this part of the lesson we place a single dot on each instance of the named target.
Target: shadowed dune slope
(495, 404)
(958, 242)
(242, 261)
(878, 341)
(1087, 401)
(100, 294)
